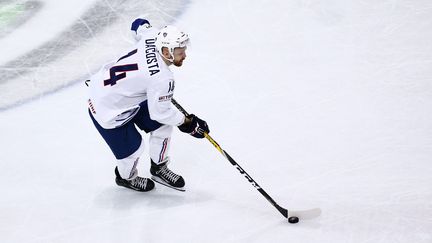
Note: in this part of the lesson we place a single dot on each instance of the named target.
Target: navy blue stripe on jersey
(128, 55)
(127, 115)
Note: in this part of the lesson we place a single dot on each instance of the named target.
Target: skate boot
(138, 183)
(163, 175)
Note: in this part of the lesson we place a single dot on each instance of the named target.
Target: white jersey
(120, 86)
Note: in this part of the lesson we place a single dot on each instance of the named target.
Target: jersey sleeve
(161, 109)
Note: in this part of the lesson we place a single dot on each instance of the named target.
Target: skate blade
(159, 181)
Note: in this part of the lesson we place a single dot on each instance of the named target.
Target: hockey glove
(194, 126)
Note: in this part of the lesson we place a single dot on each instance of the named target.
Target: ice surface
(324, 103)
(67, 40)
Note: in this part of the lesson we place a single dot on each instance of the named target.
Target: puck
(293, 220)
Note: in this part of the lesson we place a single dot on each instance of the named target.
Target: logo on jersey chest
(150, 50)
(165, 97)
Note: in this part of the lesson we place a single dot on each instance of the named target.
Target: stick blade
(305, 214)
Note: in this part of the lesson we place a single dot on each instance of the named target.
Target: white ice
(324, 103)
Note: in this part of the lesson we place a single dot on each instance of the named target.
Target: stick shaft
(282, 210)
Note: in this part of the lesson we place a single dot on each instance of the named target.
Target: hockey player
(136, 90)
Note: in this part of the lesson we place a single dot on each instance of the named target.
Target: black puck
(293, 220)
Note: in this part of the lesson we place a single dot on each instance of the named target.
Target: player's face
(179, 56)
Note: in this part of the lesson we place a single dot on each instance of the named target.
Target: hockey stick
(305, 214)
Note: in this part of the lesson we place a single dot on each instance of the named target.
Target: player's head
(171, 44)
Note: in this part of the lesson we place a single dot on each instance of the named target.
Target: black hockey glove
(194, 126)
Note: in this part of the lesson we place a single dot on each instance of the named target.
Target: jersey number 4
(119, 72)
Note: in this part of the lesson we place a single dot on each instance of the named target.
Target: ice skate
(138, 183)
(163, 175)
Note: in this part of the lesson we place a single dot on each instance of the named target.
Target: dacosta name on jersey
(150, 50)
